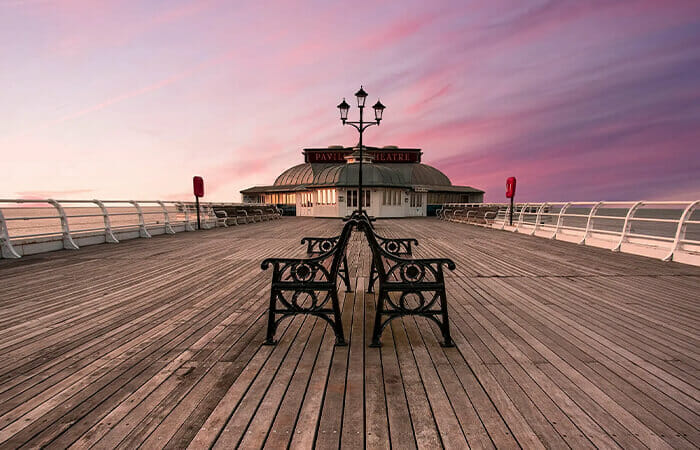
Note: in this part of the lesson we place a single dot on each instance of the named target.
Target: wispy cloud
(594, 99)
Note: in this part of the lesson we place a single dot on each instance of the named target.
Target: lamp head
(361, 97)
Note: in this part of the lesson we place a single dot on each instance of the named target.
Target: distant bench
(237, 215)
(469, 214)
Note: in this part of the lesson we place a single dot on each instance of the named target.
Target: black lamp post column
(359, 180)
(360, 127)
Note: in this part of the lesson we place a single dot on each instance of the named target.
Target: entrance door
(305, 204)
(351, 199)
(415, 204)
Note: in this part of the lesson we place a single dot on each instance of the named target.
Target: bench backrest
(318, 246)
(322, 268)
(401, 271)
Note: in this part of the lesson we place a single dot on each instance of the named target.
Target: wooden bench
(307, 286)
(260, 214)
(408, 287)
(273, 213)
(241, 216)
(221, 217)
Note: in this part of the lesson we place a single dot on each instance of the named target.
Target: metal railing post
(589, 222)
(6, 249)
(560, 220)
(680, 231)
(627, 225)
(537, 220)
(505, 218)
(143, 232)
(470, 213)
(109, 236)
(166, 219)
(520, 217)
(68, 242)
(188, 224)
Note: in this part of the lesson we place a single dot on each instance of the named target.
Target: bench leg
(345, 274)
(377, 330)
(445, 325)
(271, 326)
(337, 321)
(373, 275)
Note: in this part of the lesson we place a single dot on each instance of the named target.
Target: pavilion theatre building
(395, 184)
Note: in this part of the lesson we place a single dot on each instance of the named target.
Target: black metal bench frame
(407, 278)
(296, 282)
(319, 245)
(395, 246)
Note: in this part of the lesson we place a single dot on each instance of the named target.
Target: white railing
(39, 225)
(669, 230)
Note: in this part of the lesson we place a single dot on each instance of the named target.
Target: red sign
(380, 156)
(510, 187)
(385, 156)
(198, 184)
(329, 156)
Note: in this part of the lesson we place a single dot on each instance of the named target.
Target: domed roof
(375, 174)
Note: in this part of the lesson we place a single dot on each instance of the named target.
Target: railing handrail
(68, 235)
(524, 212)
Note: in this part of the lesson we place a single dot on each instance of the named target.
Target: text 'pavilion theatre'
(395, 184)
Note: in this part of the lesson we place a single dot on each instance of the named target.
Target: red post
(510, 193)
(198, 185)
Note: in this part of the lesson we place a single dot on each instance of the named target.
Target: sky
(581, 100)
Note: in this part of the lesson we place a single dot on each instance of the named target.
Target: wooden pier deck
(157, 343)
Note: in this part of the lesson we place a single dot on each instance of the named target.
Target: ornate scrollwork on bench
(308, 286)
(408, 287)
(321, 245)
(395, 246)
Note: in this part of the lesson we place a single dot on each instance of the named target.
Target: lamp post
(360, 126)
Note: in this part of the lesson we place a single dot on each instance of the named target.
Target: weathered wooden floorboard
(157, 343)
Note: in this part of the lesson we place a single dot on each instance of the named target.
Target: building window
(392, 197)
(326, 196)
(367, 195)
(352, 199)
(416, 199)
(306, 200)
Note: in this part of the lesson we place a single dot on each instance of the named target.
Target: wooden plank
(157, 343)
